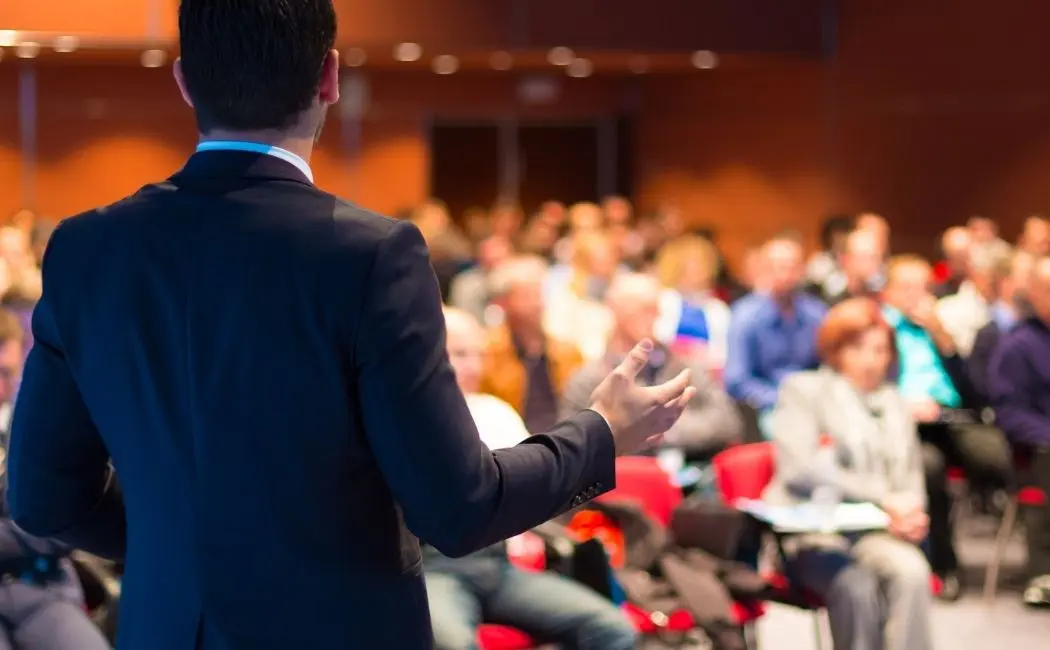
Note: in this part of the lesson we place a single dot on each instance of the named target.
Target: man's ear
(180, 81)
(328, 92)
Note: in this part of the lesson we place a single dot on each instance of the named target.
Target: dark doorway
(558, 161)
(465, 164)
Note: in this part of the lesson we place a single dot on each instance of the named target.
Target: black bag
(716, 529)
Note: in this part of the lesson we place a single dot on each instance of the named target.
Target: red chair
(641, 479)
(528, 553)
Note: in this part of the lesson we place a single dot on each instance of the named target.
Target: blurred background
(748, 114)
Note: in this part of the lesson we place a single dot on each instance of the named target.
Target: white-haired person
(484, 586)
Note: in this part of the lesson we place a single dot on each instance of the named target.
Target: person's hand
(908, 521)
(924, 410)
(637, 414)
(924, 313)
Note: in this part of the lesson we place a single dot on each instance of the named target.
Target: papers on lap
(807, 518)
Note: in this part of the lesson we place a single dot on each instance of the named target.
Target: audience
(526, 366)
(984, 233)
(824, 265)
(1010, 307)
(483, 586)
(876, 586)
(969, 309)
(935, 384)
(469, 290)
(709, 425)
(860, 269)
(574, 296)
(773, 334)
(692, 319)
(1019, 380)
(1035, 236)
(955, 245)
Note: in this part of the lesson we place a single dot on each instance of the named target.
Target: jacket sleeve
(977, 364)
(1013, 384)
(453, 491)
(60, 482)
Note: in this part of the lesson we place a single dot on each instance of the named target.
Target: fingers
(671, 390)
(635, 360)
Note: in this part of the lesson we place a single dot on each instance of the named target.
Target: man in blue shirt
(773, 334)
(934, 381)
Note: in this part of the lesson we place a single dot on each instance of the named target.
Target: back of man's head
(253, 65)
(630, 290)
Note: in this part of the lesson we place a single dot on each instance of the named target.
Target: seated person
(1020, 390)
(934, 381)
(41, 602)
(772, 334)
(876, 585)
(1009, 309)
(483, 586)
(526, 367)
(692, 319)
(709, 424)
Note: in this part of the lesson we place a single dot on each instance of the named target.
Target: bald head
(465, 343)
(634, 300)
(1035, 238)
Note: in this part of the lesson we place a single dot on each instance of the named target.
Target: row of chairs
(741, 472)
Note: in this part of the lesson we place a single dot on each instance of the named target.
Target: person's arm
(60, 482)
(1014, 384)
(977, 365)
(740, 379)
(711, 422)
(454, 492)
(796, 433)
(909, 478)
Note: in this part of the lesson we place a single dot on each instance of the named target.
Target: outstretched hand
(639, 415)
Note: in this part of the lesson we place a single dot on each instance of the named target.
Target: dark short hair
(253, 65)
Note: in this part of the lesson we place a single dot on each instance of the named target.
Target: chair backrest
(744, 471)
(641, 479)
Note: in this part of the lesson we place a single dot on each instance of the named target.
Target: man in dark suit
(264, 368)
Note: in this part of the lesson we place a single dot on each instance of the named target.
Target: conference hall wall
(924, 116)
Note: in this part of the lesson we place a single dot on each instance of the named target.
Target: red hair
(845, 323)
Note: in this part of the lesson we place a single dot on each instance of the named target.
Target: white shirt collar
(259, 148)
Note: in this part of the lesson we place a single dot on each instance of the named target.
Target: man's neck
(301, 146)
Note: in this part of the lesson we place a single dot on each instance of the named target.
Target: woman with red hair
(876, 585)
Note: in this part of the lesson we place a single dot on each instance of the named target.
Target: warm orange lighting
(65, 44)
(8, 37)
(355, 57)
(561, 56)
(445, 64)
(27, 50)
(501, 61)
(408, 52)
(579, 68)
(705, 59)
(153, 58)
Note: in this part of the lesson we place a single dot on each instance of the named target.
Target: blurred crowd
(923, 372)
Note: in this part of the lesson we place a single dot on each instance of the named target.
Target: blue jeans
(47, 618)
(550, 608)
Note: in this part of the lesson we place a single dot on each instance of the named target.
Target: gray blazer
(878, 447)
